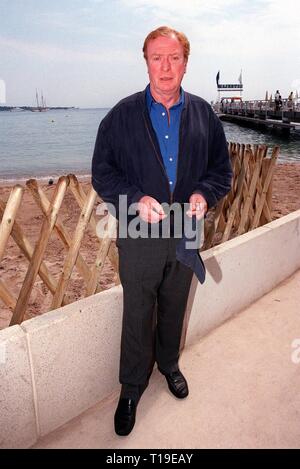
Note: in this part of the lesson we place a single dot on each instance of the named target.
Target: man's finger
(160, 214)
(154, 217)
(157, 207)
(199, 213)
(197, 207)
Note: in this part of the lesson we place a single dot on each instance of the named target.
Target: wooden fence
(72, 243)
(247, 206)
(249, 203)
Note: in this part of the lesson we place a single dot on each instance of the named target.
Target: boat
(40, 104)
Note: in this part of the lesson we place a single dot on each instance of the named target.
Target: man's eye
(175, 57)
(155, 59)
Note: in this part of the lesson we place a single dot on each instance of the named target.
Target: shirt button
(163, 113)
(171, 159)
(166, 136)
(171, 182)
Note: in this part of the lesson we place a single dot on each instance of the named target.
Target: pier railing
(286, 105)
(247, 206)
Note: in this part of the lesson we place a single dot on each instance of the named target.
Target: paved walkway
(244, 380)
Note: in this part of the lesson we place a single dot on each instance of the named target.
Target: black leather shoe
(125, 416)
(177, 384)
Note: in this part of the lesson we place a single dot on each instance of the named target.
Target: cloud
(102, 40)
(227, 28)
(77, 23)
(186, 9)
(61, 54)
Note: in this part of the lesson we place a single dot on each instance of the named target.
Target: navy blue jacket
(127, 158)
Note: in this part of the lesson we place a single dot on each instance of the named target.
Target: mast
(37, 98)
(43, 103)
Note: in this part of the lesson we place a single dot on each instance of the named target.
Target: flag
(240, 78)
(218, 77)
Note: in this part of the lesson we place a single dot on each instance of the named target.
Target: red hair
(165, 31)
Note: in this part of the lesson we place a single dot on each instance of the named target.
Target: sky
(88, 53)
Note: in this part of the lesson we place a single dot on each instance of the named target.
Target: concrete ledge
(242, 270)
(72, 354)
(17, 412)
(75, 356)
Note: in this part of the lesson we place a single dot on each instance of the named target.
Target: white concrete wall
(241, 271)
(75, 356)
(17, 412)
(59, 364)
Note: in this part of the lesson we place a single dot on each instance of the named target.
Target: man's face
(166, 64)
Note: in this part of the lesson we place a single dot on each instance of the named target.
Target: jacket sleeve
(216, 182)
(107, 177)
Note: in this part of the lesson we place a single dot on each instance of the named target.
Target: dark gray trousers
(153, 281)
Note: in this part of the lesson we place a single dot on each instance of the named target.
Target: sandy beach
(286, 199)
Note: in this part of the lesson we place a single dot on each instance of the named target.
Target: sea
(56, 142)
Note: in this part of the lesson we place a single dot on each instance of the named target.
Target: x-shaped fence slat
(80, 196)
(8, 217)
(7, 296)
(26, 248)
(101, 255)
(250, 194)
(43, 202)
(269, 176)
(34, 265)
(74, 249)
(235, 204)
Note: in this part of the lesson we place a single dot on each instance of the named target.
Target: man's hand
(198, 206)
(150, 210)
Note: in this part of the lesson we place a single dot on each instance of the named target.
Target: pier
(283, 115)
(261, 114)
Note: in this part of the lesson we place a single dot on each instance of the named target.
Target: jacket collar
(143, 99)
(151, 101)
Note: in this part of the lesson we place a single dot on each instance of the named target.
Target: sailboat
(40, 104)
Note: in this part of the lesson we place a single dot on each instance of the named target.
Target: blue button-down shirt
(167, 132)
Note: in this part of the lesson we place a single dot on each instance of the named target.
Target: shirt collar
(150, 100)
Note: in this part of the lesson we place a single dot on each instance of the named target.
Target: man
(158, 146)
(278, 101)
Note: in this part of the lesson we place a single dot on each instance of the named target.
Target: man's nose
(165, 65)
